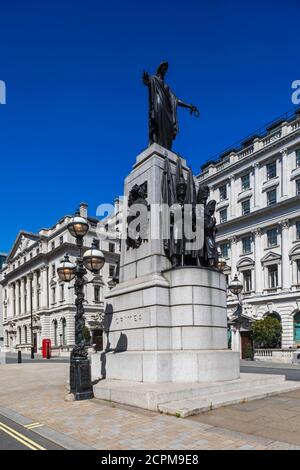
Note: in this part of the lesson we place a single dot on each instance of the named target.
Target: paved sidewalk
(37, 392)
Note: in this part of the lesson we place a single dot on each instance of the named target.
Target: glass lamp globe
(78, 226)
(93, 259)
(66, 269)
(221, 263)
(235, 286)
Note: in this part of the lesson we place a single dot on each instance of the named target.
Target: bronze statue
(180, 194)
(163, 122)
(210, 257)
(137, 234)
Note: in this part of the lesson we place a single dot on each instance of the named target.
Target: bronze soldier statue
(163, 122)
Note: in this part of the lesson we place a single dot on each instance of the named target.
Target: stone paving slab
(37, 392)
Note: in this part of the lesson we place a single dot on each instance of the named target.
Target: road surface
(13, 436)
(290, 374)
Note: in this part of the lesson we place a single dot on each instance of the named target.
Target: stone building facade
(53, 302)
(257, 189)
(3, 257)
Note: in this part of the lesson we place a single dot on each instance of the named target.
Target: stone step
(189, 407)
(206, 389)
(151, 395)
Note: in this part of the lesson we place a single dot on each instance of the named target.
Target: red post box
(46, 348)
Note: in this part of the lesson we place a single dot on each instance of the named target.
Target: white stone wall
(280, 146)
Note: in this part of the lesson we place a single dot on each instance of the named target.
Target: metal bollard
(19, 357)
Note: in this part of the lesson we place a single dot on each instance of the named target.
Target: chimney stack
(83, 209)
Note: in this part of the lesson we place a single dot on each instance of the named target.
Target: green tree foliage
(267, 332)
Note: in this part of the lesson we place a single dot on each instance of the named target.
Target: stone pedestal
(164, 324)
(170, 328)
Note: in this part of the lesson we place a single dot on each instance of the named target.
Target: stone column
(256, 186)
(17, 292)
(234, 255)
(232, 199)
(34, 293)
(258, 281)
(29, 295)
(44, 286)
(284, 173)
(10, 302)
(23, 309)
(285, 261)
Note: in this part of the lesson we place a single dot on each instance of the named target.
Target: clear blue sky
(76, 112)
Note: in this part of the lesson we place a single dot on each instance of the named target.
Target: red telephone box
(46, 348)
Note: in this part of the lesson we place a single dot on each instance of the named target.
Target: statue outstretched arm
(194, 110)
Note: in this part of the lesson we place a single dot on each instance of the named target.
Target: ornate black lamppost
(31, 314)
(93, 260)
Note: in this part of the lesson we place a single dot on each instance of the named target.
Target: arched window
(277, 317)
(19, 335)
(274, 315)
(55, 332)
(25, 334)
(64, 330)
(297, 327)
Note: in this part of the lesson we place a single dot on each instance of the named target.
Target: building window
(271, 197)
(53, 295)
(298, 271)
(62, 292)
(111, 247)
(224, 248)
(97, 293)
(245, 180)
(111, 270)
(55, 332)
(96, 243)
(25, 334)
(246, 244)
(19, 335)
(64, 331)
(272, 237)
(246, 207)
(247, 280)
(273, 276)
(37, 251)
(298, 230)
(53, 270)
(53, 245)
(271, 170)
(223, 192)
(298, 187)
(61, 240)
(223, 216)
(298, 158)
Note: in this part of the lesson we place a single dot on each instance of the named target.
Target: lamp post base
(80, 379)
